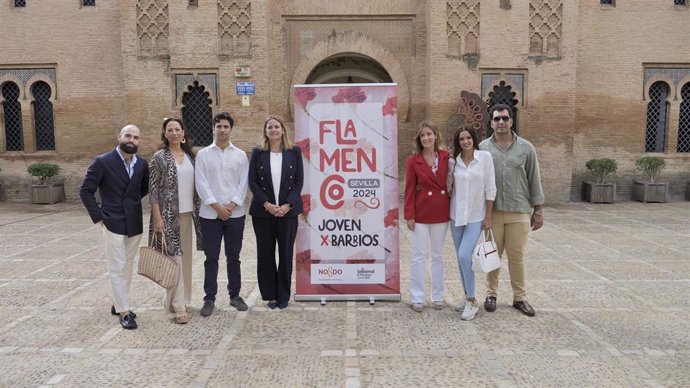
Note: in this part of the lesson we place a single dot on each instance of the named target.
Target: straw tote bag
(156, 265)
(485, 258)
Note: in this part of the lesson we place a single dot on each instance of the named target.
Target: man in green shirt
(517, 207)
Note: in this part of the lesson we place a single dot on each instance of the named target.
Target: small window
(12, 110)
(20, 3)
(680, 2)
(684, 120)
(608, 2)
(88, 3)
(197, 114)
(503, 94)
(657, 117)
(43, 116)
(193, 3)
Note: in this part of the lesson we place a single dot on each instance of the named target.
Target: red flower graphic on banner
(306, 204)
(303, 261)
(304, 95)
(353, 94)
(390, 106)
(304, 146)
(391, 218)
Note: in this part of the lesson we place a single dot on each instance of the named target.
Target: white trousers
(120, 251)
(423, 236)
(178, 297)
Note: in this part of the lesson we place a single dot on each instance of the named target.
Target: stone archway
(348, 68)
(354, 47)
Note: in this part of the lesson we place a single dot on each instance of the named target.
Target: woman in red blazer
(427, 205)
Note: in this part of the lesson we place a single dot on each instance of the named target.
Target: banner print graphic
(347, 239)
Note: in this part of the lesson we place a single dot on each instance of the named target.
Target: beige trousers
(510, 231)
(120, 251)
(180, 296)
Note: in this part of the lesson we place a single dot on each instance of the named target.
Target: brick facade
(578, 66)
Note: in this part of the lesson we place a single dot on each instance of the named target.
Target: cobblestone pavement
(610, 283)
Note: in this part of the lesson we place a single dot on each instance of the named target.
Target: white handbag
(485, 257)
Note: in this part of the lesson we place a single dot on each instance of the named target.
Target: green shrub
(651, 165)
(43, 171)
(601, 168)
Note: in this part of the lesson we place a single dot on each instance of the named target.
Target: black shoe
(490, 304)
(207, 310)
(127, 321)
(272, 305)
(113, 312)
(282, 305)
(524, 308)
(238, 303)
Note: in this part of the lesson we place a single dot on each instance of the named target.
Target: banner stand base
(371, 298)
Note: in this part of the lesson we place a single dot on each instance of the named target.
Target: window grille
(502, 94)
(12, 108)
(197, 114)
(608, 2)
(20, 3)
(680, 2)
(684, 120)
(657, 114)
(43, 116)
(88, 3)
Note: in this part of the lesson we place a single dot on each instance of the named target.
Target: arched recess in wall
(197, 112)
(367, 61)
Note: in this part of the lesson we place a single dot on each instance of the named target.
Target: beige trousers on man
(180, 296)
(120, 251)
(510, 231)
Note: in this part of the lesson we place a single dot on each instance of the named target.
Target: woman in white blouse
(471, 203)
(174, 209)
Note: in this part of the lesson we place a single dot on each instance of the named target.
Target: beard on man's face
(128, 148)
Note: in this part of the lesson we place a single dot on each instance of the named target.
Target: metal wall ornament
(471, 111)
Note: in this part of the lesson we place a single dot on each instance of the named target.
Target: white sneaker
(461, 307)
(438, 305)
(470, 311)
(418, 307)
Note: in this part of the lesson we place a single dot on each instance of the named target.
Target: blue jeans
(212, 233)
(465, 239)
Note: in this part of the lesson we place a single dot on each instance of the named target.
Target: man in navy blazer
(123, 180)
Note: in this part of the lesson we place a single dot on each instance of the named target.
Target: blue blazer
(121, 196)
(261, 182)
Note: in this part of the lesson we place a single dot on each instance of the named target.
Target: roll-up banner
(347, 241)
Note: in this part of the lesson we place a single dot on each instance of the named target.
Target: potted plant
(46, 191)
(600, 191)
(651, 190)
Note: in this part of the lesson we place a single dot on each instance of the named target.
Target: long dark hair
(456, 139)
(186, 146)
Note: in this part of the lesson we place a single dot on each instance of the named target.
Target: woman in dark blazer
(275, 179)
(427, 213)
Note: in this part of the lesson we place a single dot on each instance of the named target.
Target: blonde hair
(285, 143)
(418, 143)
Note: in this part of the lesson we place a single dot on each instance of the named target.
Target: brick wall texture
(582, 94)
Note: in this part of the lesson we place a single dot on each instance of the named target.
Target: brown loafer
(490, 304)
(524, 308)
